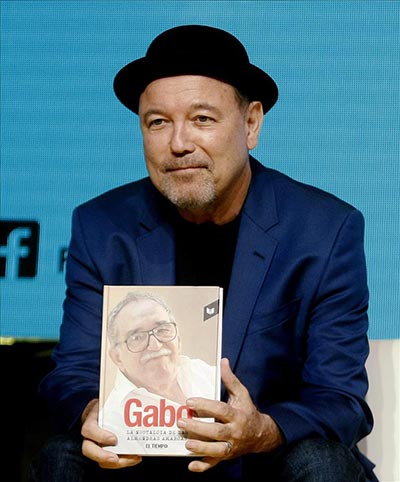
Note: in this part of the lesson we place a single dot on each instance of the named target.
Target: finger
(206, 408)
(230, 380)
(219, 450)
(204, 430)
(94, 452)
(91, 410)
(107, 459)
(100, 436)
(197, 429)
(90, 428)
(232, 383)
(124, 461)
(203, 464)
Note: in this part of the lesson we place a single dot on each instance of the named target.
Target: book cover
(160, 346)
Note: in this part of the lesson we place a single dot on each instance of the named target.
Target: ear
(254, 120)
(115, 357)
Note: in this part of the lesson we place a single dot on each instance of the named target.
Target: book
(160, 345)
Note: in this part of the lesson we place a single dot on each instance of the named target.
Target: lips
(185, 166)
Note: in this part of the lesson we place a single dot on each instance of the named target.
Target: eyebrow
(195, 106)
(140, 330)
(152, 112)
(205, 106)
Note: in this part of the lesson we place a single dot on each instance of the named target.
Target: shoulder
(125, 207)
(293, 211)
(291, 195)
(119, 196)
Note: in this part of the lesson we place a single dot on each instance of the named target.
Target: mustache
(164, 351)
(185, 163)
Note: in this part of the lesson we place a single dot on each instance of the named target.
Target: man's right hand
(95, 438)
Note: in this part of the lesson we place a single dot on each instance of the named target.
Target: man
(146, 348)
(289, 256)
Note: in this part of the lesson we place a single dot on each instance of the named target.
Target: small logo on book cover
(211, 310)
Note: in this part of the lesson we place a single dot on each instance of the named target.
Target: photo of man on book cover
(150, 373)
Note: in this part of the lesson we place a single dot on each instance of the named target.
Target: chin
(191, 197)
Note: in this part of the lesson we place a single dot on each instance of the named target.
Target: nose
(181, 142)
(154, 344)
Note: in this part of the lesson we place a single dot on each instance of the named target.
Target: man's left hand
(239, 428)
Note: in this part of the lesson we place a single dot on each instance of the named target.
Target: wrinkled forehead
(141, 315)
(187, 88)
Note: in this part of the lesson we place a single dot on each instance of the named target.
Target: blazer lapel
(254, 252)
(157, 256)
(156, 240)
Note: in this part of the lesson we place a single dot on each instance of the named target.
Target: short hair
(242, 99)
(132, 297)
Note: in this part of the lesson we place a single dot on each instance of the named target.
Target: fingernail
(182, 423)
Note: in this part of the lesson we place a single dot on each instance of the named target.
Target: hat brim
(133, 78)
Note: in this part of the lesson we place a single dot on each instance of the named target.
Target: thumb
(232, 383)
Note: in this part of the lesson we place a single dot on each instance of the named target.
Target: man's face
(157, 363)
(196, 142)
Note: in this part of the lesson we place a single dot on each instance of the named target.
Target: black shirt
(205, 252)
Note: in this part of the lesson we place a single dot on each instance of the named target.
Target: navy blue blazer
(295, 320)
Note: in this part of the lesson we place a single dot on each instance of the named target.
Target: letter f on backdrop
(19, 249)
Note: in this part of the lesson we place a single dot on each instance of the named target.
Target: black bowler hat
(195, 50)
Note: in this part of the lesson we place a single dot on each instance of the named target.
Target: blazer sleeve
(75, 379)
(334, 381)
